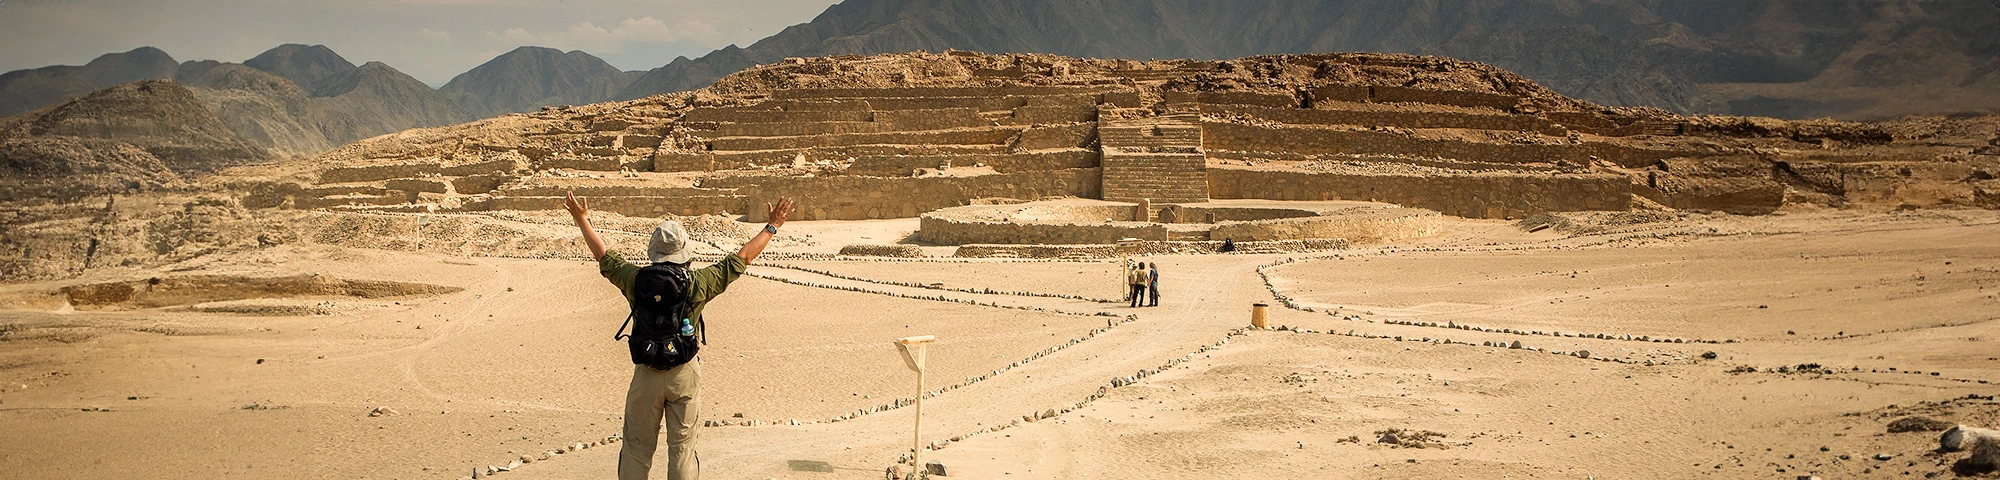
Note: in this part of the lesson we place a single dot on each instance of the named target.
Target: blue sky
(432, 40)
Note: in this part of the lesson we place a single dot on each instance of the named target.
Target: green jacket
(704, 283)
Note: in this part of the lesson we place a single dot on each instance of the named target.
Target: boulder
(1963, 437)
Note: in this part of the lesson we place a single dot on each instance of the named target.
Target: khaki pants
(656, 394)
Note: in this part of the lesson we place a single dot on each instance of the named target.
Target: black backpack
(659, 304)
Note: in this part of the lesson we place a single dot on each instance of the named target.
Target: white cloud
(435, 35)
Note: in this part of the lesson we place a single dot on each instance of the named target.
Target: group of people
(1144, 281)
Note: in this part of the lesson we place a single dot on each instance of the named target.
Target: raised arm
(579, 209)
(777, 215)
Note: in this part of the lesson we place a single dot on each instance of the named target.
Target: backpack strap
(621, 329)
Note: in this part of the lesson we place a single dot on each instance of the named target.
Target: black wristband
(771, 229)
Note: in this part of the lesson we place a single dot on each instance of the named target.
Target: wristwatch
(771, 229)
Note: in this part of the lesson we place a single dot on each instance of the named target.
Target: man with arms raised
(666, 299)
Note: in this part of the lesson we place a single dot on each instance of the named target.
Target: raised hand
(577, 206)
(778, 213)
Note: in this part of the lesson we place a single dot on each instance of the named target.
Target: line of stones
(525, 459)
(1128, 380)
(984, 291)
(1827, 372)
(935, 298)
(1288, 302)
(1102, 391)
(969, 381)
(1803, 368)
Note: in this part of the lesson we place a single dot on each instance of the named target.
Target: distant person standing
(1127, 281)
(1153, 284)
(1137, 277)
(667, 299)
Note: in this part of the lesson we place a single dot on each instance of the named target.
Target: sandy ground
(521, 361)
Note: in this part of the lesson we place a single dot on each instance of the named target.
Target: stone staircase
(1157, 159)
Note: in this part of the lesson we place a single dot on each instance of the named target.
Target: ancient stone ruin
(898, 136)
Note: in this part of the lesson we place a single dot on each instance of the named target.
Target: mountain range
(1850, 59)
(306, 99)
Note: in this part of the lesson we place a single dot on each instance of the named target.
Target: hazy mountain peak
(147, 56)
(531, 77)
(306, 65)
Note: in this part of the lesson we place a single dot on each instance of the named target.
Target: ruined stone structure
(1106, 223)
(895, 136)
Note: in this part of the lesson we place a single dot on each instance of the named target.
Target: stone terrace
(899, 135)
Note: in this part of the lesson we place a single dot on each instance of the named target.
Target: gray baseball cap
(669, 244)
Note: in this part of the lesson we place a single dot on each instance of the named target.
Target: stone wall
(1042, 137)
(1323, 116)
(372, 173)
(713, 161)
(1385, 226)
(1161, 177)
(1053, 114)
(1276, 100)
(858, 198)
(1322, 141)
(1385, 94)
(766, 115)
(1482, 195)
(1339, 93)
(1143, 248)
(1002, 90)
(880, 121)
(1149, 136)
(957, 230)
(1037, 161)
(995, 135)
(905, 165)
(789, 129)
(594, 191)
(893, 165)
(633, 206)
(1212, 214)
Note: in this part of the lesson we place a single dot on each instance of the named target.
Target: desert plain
(1651, 345)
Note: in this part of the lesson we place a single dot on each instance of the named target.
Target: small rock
(1389, 438)
(934, 469)
(381, 411)
(514, 464)
(1884, 456)
(477, 473)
